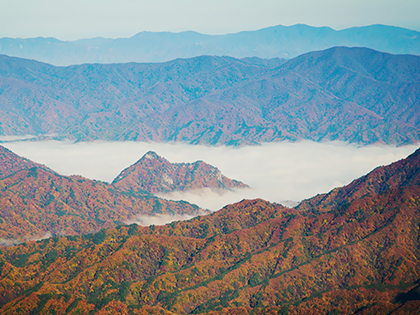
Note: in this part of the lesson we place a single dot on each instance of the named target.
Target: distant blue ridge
(273, 42)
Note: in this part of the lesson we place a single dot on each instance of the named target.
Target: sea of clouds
(282, 172)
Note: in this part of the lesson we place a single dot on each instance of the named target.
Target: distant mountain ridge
(271, 42)
(155, 174)
(352, 94)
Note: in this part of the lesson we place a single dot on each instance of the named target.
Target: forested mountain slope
(361, 256)
(352, 94)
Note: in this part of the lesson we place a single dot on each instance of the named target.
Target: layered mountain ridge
(277, 41)
(359, 254)
(352, 94)
(155, 174)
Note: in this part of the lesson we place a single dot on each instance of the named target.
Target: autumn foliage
(353, 252)
(36, 201)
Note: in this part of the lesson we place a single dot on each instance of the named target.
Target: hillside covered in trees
(354, 250)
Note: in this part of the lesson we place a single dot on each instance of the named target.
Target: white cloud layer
(163, 219)
(15, 138)
(45, 236)
(276, 172)
(8, 242)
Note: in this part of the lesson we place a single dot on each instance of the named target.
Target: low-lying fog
(277, 172)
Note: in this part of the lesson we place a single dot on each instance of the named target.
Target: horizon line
(213, 35)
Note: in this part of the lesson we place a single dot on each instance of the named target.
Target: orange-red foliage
(358, 255)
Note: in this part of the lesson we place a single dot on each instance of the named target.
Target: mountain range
(354, 250)
(68, 245)
(155, 174)
(272, 42)
(37, 202)
(353, 94)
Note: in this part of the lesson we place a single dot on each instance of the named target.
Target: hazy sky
(75, 19)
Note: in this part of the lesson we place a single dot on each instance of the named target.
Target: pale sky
(76, 19)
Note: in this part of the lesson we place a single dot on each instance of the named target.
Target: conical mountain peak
(155, 174)
(151, 155)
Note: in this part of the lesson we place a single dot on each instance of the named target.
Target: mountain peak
(155, 174)
(151, 155)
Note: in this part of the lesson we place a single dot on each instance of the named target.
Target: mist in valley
(282, 172)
